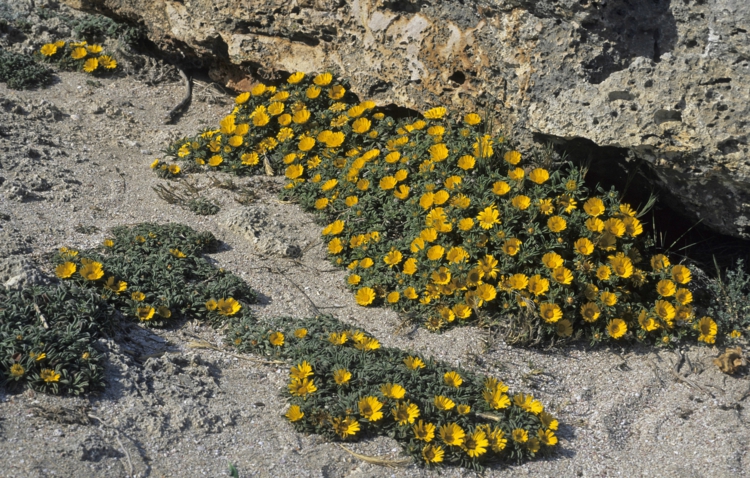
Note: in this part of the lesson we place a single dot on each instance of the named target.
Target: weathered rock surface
(666, 82)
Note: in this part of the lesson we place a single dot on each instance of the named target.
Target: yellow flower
(659, 262)
(546, 207)
(49, 375)
(512, 157)
(435, 113)
(277, 340)
(341, 376)
(424, 431)
(463, 409)
(242, 98)
(594, 224)
(115, 285)
(452, 434)
(488, 217)
(301, 388)
(78, 53)
(521, 202)
(107, 62)
(393, 297)
(410, 266)
(684, 296)
(393, 258)
(616, 328)
(261, 118)
(550, 312)
(516, 174)
(552, 260)
(402, 192)
(538, 285)
(434, 253)
(258, 89)
(432, 453)
(145, 313)
(520, 435)
(666, 288)
(301, 370)
(17, 370)
(681, 274)
(735, 334)
(472, 119)
(466, 162)
(594, 207)
(92, 271)
(405, 413)
(476, 444)
(228, 306)
(361, 125)
(336, 92)
(500, 188)
(294, 413)
(590, 312)
(564, 328)
(557, 224)
(48, 49)
(621, 265)
(295, 78)
(495, 398)
(453, 379)
(215, 160)
(174, 169)
(539, 175)
(444, 403)
(584, 246)
(369, 408)
(483, 147)
(321, 204)
(512, 246)
(603, 272)
(413, 363)
(562, 275)
(388, 182)
(323, 79)
(250, 159)
(365, 296)
(65, 270)
(353, 279)
(614, 226)
(90, 65)
(392, 390)
(608, 298)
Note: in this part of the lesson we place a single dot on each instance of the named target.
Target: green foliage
(202, 207)
(21, 72)
(46, 337)
(730, 300)
(156, 274)
(98, 28)
(78, 56)
(339, 388)
(444, 220)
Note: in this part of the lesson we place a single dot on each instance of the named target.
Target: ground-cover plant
(78, 56)
(22, 72)
(442, 220)
(345, 386)
(156, 273)
(730, 300)
(46, 337)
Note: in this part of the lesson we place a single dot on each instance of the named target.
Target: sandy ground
(76, 155)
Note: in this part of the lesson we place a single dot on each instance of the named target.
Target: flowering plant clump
(48, 345)
(442, 220)
(156, 274)
(78, 56)
(345, 386)
(166, 170)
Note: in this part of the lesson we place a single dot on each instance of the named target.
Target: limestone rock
(663, 82)
(268, 235)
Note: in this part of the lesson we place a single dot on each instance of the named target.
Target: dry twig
(378, 461)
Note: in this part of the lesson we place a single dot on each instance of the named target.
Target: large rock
(662, 82)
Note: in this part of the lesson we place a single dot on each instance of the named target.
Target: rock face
(663, 82)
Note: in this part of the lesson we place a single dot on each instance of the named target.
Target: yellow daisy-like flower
(242, 98)
(443, 403)
(94, 49)
(369, 408)
(520, 435)
(365, 296)
(345, 427)
(476, 444)
(90, 65)
(453, 379)
(295, 78)
(393, 258)
(323, 79)
(392, 390)
(594, 207)
(341, 376)
(584, 246)
(516, 174)
(228, 306)
(488, 217)
(452, 434)
(405, 413)
(616, 328)
(562, 275)
(301, 370)
(684, 296)
(48, 49)
(387, 183)
(65, 270)
(608, 298)
(78, 53)
(590, 312)
(361, 125)
(512, 157)
(521, 202)
(500, 188)
(550, 312)
(424, 431)
(413, 363)
(538, 285)
(603, 272)
(472, 119)
(250, 159)
(539, 175)
(92, 271)
(433, 453)
(466, 162)
(557, 224)
(564, 328)
(294, 413)
(145, 313)
(435, 113)
(49, 375)
(666, 288)
(302, 388)
(16, 370)
(681, 274)
(614, 226)
(552, 260)
(215, 160)
(659, 262)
